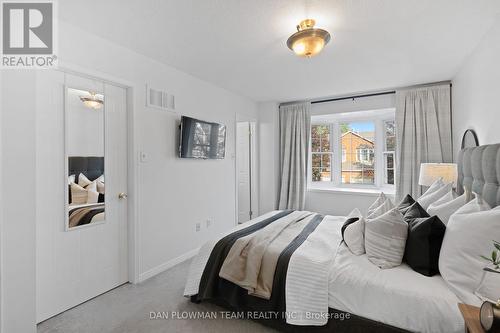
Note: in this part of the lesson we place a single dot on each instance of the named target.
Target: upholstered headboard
(91, 166)
(479, 170)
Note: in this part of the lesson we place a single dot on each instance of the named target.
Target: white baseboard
(167, 265)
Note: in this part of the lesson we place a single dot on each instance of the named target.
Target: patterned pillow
(385, 239)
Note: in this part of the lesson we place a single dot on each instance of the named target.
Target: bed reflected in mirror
(84, 135)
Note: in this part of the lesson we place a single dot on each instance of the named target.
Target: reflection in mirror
(84, 116)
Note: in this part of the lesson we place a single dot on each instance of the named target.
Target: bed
(81, 214)
(392, 300)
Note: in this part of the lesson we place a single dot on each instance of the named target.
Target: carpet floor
(127, 309)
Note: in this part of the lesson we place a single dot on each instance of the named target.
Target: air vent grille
(159, 99)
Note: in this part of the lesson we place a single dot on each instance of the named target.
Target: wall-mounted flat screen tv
(202, 139)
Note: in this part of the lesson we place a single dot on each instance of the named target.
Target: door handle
(122, 195)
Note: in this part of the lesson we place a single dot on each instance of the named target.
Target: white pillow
(378, 202)
(444, 199)
(474, 206)
(385, 239)
(427, 199)
(100, 179)
(434, 187)
(469, 235)
(71, 179)
(382, 209)
(78, 194)
(92, 194)
(100, 186)
(354, 233)
(83, 180)
(446, 209)
(489, 289)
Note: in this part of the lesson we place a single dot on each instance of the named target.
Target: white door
(244, 174)
(78, 263)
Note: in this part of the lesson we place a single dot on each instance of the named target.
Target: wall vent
(159, 99)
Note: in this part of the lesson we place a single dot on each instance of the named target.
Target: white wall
(18, 105)
(325, 202)
(476, 91)
(172, 194)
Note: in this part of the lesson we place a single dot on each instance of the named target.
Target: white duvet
(398, 296)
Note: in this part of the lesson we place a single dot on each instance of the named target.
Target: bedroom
(134, 69)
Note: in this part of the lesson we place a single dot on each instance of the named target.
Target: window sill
(353, 191)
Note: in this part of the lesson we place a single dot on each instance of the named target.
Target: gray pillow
(385, 239)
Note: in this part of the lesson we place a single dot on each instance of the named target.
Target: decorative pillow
(83, 180)
(474, 206)
(425, 235)
(405, 204)
(100, 186)
(427, 199)
(444, 199)
(78, 194)
(101, 179)
(385, 239)
(386, 206)
(92, 197)
(378, 202)
(414, 212)
(434, 187)
(71, 179)
(446, 209)
(468, 236)
(92, 194)
(488, 288)
(353, 232)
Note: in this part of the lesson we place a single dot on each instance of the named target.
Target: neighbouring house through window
(355, 149)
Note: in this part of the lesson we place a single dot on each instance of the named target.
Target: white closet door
(76, 265)
(243, 171)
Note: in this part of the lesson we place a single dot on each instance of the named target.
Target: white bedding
(399, 296)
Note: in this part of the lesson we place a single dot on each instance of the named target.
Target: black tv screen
(202, 139)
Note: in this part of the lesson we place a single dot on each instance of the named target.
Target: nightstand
(471, 318)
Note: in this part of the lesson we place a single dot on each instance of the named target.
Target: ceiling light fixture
(92, 101)
(308, 40)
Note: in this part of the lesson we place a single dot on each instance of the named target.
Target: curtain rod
(389, 92)
(353, 97)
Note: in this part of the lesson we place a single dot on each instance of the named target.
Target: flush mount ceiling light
(308, 40)
(92, 101)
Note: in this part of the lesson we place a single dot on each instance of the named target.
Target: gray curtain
(295, 132)
(423, 126)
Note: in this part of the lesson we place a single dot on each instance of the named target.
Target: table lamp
(430, 172)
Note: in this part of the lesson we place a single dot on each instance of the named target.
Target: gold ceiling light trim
(308, 40)
(92, 101)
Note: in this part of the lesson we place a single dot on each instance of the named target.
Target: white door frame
(133, 170)
(253, 165)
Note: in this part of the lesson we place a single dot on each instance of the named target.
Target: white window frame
(337, 155)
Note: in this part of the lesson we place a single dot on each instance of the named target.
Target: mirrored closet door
(81, 190)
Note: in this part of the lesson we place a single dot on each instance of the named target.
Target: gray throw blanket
(251, 261)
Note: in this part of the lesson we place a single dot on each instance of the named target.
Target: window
(354, 149)
(390, 146)
(321, 153)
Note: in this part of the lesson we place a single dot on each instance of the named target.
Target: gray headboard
(479, 170)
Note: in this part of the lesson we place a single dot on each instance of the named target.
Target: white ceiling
(241, 44)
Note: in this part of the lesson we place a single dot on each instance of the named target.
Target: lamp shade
(430, 172)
